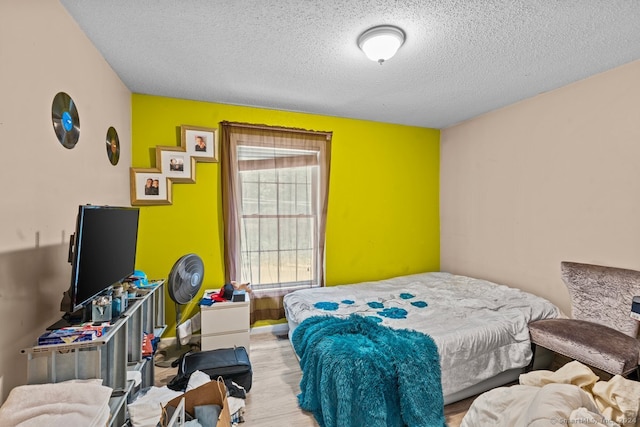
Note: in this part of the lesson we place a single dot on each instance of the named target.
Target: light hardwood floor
(272, 400)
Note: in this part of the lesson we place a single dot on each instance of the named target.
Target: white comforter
(480, 327)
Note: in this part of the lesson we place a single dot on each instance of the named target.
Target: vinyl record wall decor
(113, 146)
(66, 122)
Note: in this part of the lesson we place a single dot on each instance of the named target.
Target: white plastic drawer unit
(225, 325)
(212, 342)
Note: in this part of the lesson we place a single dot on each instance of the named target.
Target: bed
(479, 327)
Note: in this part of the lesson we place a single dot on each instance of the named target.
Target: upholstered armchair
(600, 333)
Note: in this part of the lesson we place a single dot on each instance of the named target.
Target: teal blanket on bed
(356, 372)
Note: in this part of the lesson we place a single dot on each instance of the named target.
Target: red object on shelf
(147, 346)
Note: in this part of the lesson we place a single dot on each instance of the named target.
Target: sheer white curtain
(275, 188)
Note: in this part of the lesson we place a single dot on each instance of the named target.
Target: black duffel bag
(229, 363)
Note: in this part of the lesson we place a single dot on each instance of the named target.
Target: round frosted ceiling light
(381, 43)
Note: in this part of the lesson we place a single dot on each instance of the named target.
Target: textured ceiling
(461, 58)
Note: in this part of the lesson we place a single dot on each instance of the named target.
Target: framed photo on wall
(176, 164)
(149, 187)
(200, 143)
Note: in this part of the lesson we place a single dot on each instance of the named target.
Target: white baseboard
(171, 341)
(278, 329)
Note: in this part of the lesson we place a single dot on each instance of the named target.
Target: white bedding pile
(571, 396)
(480, 327)
(68, 403)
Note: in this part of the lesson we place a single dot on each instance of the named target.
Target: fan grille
(185, 278)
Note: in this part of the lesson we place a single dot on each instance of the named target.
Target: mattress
(479, 327)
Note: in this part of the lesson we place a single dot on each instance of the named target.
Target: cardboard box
(212, 393)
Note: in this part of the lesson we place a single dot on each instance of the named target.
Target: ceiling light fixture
(381, 43)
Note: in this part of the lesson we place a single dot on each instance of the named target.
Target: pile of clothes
(154, 404)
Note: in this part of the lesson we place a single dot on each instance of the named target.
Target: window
(275, 184)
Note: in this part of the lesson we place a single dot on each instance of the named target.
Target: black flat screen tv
(102, 252)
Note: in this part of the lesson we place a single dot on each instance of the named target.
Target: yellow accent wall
(383, 214)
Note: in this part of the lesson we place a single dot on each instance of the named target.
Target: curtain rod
(328, 135)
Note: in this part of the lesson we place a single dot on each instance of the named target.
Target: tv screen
(105, 250)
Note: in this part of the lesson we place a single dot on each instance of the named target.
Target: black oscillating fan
(184, 283)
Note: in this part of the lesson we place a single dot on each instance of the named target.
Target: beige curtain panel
(275, 184)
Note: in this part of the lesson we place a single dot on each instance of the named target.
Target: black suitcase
(228, 363)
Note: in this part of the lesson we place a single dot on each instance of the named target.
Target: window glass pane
(250, 239)
(286, 174)
(302, 174)
(268, 234)
(249, 198)
(268, 175)
(250, 176)
(251, 267)
(305, 265)
(303, 194)
(288, 266)
(268, 198)
(288, 233)
(269, 267)
(286, 199)
(304, 233)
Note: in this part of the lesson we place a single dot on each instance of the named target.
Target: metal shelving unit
(108, 357)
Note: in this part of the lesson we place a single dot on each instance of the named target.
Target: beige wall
(43, 52)
(552, 178)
